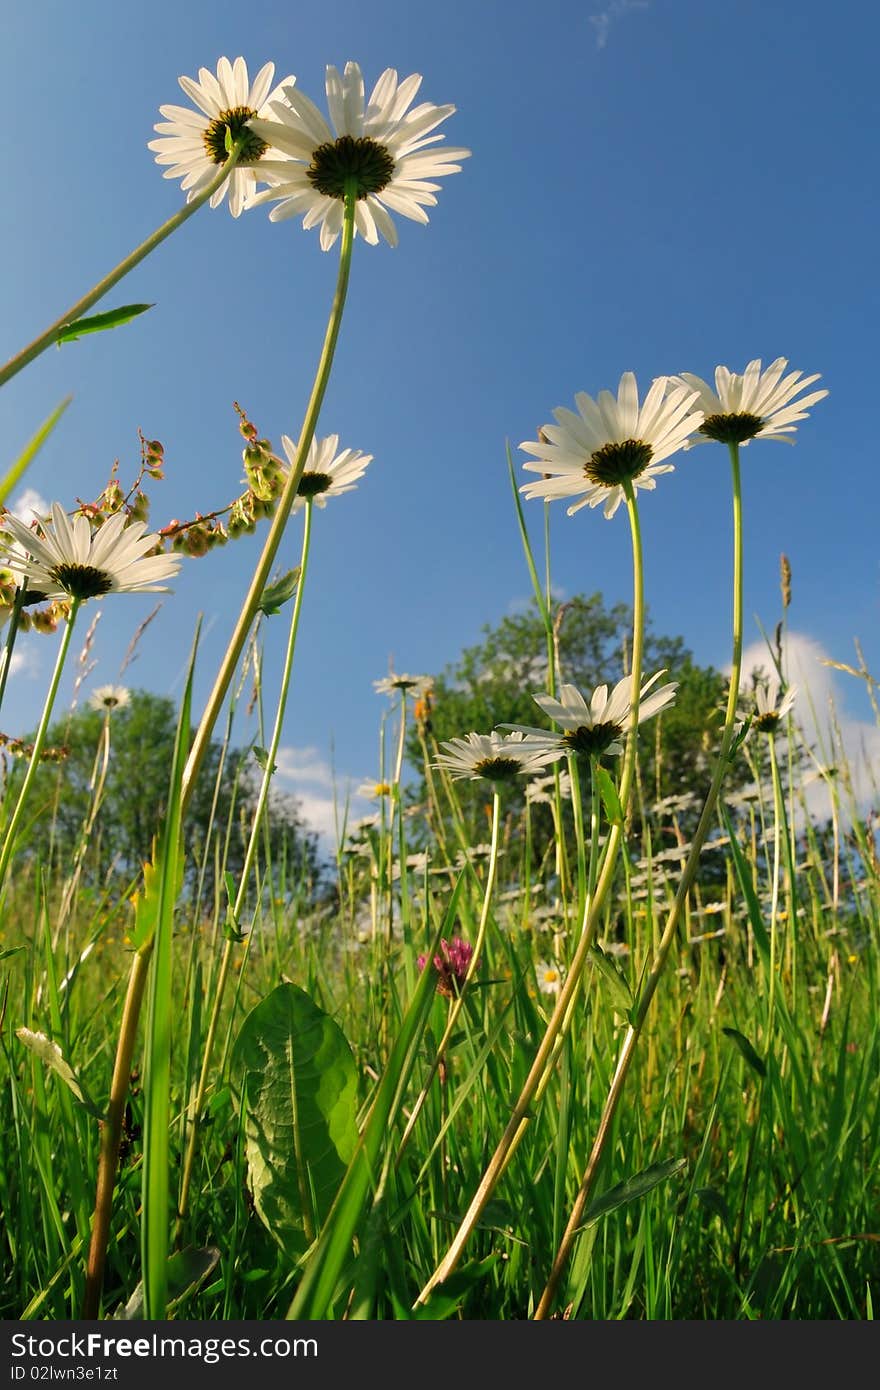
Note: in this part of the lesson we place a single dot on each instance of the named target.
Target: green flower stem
(474, 962)
(578, 809)
(39, 742)
(97, 783)
(563, 1013)
(241, 896)
(251, 604)
(778, 822)
(627, 1049)
(128, 1030)
(140, 253)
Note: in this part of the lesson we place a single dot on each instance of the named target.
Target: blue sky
(656, 186)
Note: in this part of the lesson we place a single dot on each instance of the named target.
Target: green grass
(766, 1124)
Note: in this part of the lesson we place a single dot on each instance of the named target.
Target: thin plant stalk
(39, 742)
(251, 604)
(473, 964)
(110, 1137)
(241, 895)
(140, 253)
(778, 818)
(633, 1033)
(562, 1014)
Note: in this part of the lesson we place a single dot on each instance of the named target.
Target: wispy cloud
(25, 660)
(304, 765)
(321, 793)
(603, 21)
(28, 502)
(834, 734)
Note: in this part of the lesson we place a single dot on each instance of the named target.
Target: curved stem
(39, 741)
(458, 1002)
(562, 1015)
(643, 1004)
(778, 818)
(199, 1102)
(50, 336)
(110, 1148)
(285, 502)
(111, 1131)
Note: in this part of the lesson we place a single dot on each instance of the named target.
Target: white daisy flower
(67, 559)
(543, 790)
(610, 442)
(497, 757)
(417, 686)
(193, 143)
(755, 405)
(596, 728)
(374, 790)
(381, 143)
(770, 710)
(549, 976)
(109, 697)
(326, 473)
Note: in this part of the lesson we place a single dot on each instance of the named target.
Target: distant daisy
(326, 474)
(374, 789)
(410, 685)
(597, 728)
(593, 453)
(193, 143)
(543, 790)
(755, 405)
(549, 976)
(109, 697)
(67, 559)
(381, 143)
(497, 757)
(770, 710)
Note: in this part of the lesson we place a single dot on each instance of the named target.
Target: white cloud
(25, 660)
(304, 765)
(28, 502)
(835, 734)
(312, 782)
(603, 21)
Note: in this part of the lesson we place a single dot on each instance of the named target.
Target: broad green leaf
(185, 1271)
(51, 1055)
(160, 1024)
(99, 323)
(295, 1080)
(317, 1290)
(608, 793)
(278, 593)
(633, 1188)
(262, 757)
(746, 1049)
(621, 993)
(445, 1300)
(231, 928)
(30, 450)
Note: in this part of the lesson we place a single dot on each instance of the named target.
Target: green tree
(134, 795)
(493, 683)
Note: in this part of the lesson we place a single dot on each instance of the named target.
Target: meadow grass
(620, 1062)
(755, 1123)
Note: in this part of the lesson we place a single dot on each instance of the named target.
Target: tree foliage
(134, 797)
(493, 682)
